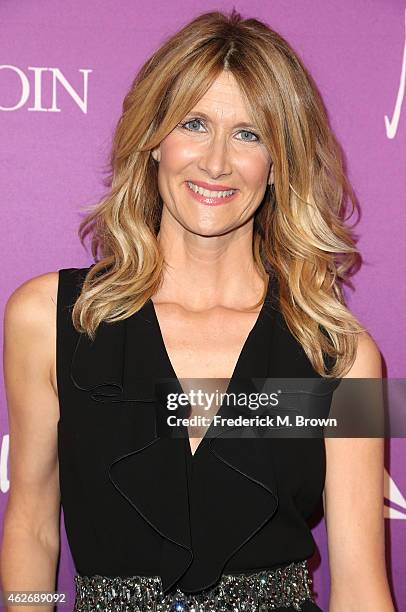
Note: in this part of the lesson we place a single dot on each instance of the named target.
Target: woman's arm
(30, 545)
(353, 505)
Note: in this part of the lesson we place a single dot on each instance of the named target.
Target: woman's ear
(156, 154)
(271, 178)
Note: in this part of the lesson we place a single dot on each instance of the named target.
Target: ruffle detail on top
(151, 475)
(227, 473)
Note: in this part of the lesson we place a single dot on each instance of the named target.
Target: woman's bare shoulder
(368, 363)
(33, 302)
(30, 328)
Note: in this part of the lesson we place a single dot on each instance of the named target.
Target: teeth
(210, 194)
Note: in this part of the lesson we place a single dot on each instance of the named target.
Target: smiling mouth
(208, 197)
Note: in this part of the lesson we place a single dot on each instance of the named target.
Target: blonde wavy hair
(300, 229)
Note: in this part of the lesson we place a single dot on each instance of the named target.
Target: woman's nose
(216, 158)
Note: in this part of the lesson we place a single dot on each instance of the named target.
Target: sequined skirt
(284, 587)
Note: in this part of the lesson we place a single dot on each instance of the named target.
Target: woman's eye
(199, 122)
(251, 133)
(190, 121)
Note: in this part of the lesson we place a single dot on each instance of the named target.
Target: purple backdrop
(64, 70)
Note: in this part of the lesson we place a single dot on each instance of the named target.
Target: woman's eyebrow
(242, 124)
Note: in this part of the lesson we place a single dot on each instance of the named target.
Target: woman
(220, 250)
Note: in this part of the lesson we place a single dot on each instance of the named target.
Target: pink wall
(55, 139)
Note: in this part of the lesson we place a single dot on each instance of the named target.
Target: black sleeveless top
(135, 500)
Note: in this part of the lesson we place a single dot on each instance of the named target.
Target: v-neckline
(231, 380)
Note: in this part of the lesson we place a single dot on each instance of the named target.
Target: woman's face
(216, 147)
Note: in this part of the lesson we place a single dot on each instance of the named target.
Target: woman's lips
(211, 201)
